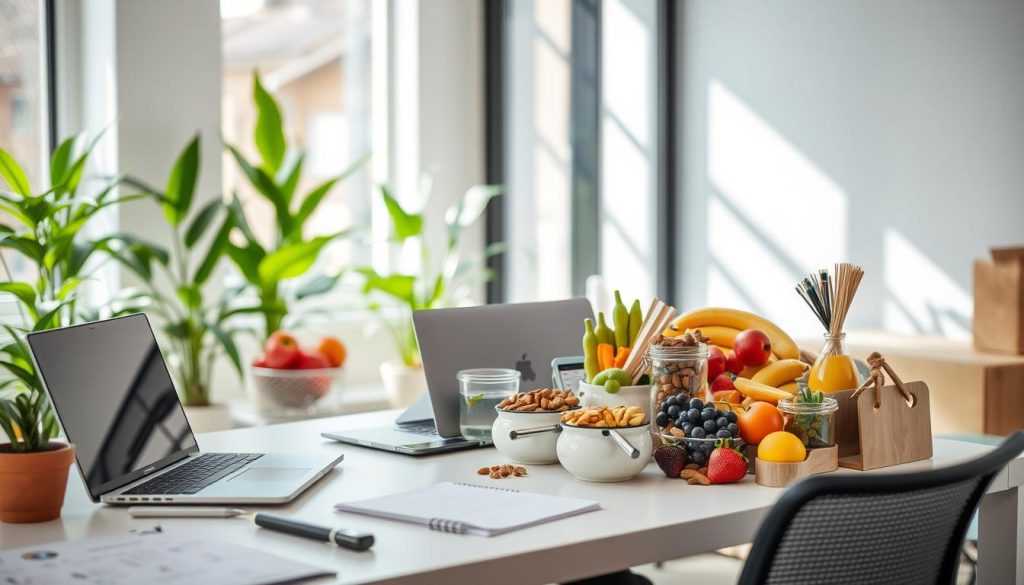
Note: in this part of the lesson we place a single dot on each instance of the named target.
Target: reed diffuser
(829, 296)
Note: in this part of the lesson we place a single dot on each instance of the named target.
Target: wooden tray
(772, 474)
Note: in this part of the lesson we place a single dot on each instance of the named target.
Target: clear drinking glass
(480, 391)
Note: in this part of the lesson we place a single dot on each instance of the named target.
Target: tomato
(758, 421)
(282, 351)
(312, 361)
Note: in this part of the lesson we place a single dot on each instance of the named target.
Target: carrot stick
(621, 357)
(606, 355)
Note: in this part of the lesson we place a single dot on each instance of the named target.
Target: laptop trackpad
(270, 474)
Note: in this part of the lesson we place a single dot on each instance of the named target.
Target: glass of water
(480, 391)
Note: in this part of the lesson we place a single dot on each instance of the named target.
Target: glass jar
(813, 422)
(480, 391)
(834, 370)
(678, 375)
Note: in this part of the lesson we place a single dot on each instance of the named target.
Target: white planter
(639, 396)
(594, 454)
(206, 419)
(402, 384)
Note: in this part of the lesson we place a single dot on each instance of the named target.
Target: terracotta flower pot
(32, 485)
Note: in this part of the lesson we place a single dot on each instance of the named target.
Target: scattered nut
(502, 471)
(483, 471)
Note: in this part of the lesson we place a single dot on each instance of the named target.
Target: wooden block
(773, 474)
(893, 433)
(998, 323)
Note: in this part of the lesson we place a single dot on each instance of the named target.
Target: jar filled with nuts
(679, 373)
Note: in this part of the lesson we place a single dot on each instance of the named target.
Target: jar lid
(677, 351)
(826, 406)
(488, 375)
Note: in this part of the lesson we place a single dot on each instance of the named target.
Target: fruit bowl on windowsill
(275, 390)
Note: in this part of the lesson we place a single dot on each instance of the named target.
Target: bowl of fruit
(288, 377)
(697, 426)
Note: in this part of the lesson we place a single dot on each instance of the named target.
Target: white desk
(648, 519)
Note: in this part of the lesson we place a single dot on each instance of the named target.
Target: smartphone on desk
(567, 373)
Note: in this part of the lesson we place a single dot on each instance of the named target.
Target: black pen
(344, 538)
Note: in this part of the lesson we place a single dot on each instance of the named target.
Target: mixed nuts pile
(545, 399)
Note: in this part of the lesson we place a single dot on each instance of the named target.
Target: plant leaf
(12, 172)
(181, 184)
(229, 346)
(201, 222)
(25, 293)
(269, 127)
(399, 286)
(316, 286)
(291, 260)
(266, 187)
(406, 225)
(60, 159)
(313, 199)
(215, 252)
(247, 260)
(288, 177)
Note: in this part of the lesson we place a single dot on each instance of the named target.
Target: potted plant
(267, 266)
(48, 233)
(448, 282)
(197, 329)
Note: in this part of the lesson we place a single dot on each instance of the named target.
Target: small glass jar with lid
(678, 375)
(814, 423)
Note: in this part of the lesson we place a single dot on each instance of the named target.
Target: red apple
(753, 347)
(716, 362)
(282, 351)
(722, 383)
(733, 363)
(312, 361)
(259, 363)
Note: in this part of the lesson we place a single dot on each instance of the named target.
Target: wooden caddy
(774, 474)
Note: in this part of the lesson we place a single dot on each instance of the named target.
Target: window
(582, 145)
(315, 57)
(22, 103)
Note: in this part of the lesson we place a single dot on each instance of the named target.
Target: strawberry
(671, 459)
(726, 464)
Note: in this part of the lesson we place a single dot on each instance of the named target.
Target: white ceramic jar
(639, 396)
(604, 454)
(536, 445)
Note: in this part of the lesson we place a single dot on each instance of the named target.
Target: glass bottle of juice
(834, 370)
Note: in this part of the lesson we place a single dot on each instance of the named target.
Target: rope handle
(876, 378)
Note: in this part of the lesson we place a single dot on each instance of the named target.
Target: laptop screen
(114, 398)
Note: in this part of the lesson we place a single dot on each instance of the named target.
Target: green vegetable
(620, 319)
(590, 364)
(612, 387)
(604, 333)
(618, 375)
(636, 319)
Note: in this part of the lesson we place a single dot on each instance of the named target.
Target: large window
(583, 144)
(315, 57)
(22, 101)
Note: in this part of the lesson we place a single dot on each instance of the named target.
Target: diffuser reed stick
(829, 295)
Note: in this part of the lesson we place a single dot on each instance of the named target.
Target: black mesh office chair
(902, 529)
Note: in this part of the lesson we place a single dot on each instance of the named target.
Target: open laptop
(115, 400)
(524, 336)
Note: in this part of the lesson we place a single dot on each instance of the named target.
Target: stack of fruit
(605, 350)
(696, 426)
(725, 464)
(288, 376)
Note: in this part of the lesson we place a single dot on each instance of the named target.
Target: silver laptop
(524, 336)
(115, 400)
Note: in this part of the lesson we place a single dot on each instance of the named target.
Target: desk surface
(647, 519)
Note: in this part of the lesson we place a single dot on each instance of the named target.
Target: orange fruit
(334, 350)
(781, 447)
(758, 421)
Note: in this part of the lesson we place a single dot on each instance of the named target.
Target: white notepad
(468, 508)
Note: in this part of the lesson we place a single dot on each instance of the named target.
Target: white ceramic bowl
(595, 454)
(537, 448)
(639, 396)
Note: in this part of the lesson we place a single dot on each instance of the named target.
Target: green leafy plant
(47, 231)
(267, 265)
(441, 283)
(197, 329)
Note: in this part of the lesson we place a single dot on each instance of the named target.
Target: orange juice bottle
(834, 370)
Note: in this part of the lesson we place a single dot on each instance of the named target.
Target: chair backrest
(904, 528)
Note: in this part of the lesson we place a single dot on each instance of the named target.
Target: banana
(778, 373)
(790, 387)
(782, 344)
(758, 391)
(720, 336)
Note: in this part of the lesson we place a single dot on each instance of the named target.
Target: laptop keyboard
(196, 474)
(425, 428)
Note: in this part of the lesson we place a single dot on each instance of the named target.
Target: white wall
(889, 134)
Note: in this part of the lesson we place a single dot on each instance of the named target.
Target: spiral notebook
(465, 508)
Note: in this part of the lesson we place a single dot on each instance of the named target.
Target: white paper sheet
(156, 557)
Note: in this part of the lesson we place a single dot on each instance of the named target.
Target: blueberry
(698, 457)
(661, 420)
(733, 428)
(731, 416)
(672, 401)
(681, 422)
(697, 433)
(723, 434)
(722, 422)
(694, 415)
(708, 414)
(710, 427)
(687, 427)
(696, 403)
(673, 411)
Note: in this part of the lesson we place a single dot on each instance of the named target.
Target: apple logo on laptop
(525, 368)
